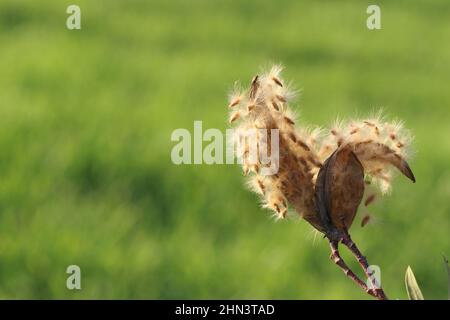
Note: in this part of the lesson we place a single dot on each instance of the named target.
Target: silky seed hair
(265, 105)
(379, 145)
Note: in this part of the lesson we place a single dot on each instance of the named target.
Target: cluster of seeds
(378, 145)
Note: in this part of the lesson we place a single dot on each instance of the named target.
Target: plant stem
(336, 258)
(376, 290)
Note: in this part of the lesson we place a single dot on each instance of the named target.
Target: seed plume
(323, 173)
(265, 105)
(378, 146)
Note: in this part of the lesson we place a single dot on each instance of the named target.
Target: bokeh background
(85, 124)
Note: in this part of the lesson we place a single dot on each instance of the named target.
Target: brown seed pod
(325, 190)
(339, 189)
(368, 150)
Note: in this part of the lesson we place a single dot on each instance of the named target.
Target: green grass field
(85, 122)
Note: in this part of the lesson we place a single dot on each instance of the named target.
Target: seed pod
(339, 189)
(373, 151)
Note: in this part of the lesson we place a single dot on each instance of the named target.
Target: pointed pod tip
(408, 172)
(411, 175)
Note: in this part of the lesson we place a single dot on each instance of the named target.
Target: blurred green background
(85, 124)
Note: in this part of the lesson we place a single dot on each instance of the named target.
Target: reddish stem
(376, 290)
(335, 256)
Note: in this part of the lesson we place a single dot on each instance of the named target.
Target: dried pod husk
(264, 107)
(339, 190)
(372, 151)
(379, 145)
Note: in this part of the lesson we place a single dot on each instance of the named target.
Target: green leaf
(448, 273)
(412, 287)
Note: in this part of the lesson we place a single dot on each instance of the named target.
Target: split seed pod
(339, 190)
(320, 172)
